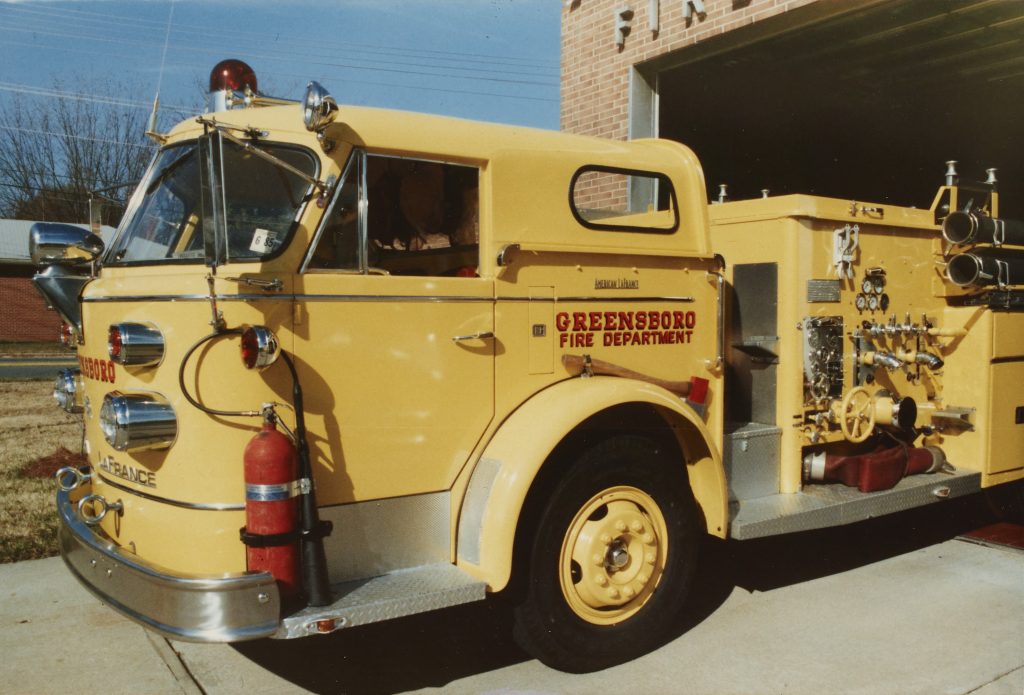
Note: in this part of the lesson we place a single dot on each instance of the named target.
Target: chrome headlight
(138, 421)
(318, 108)
(138, 344)
(67, 390)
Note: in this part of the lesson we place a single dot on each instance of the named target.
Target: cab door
(393, 336)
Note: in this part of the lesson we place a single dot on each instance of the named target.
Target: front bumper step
(393, 595)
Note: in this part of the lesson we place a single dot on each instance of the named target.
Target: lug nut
(642, 578)
(597, 559)
(628, 591)
(649, 558)
(620, 526)
(601, 580)
(613, 592)
(648, 539)
(605, 538)
(636, 526)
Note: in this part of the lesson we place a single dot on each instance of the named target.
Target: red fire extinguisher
(271, 531)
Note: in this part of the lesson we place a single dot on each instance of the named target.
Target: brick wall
(23, 313)
(595, 71)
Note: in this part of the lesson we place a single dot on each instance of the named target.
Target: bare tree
(55, 151)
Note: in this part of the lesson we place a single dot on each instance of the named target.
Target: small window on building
(623, 200)
(421, 218)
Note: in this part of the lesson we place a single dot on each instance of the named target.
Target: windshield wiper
(249, 146)
(171, 168)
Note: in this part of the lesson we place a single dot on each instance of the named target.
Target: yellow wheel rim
(613, 555)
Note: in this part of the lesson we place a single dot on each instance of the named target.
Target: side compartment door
(394, 333)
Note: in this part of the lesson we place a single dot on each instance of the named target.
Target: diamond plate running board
(821, 506)
(394, 595)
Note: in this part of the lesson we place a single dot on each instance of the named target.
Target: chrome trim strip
(195, 608)
(372, 298)
(685, 300)
(356, 298)
(213, 507)
(185, 298)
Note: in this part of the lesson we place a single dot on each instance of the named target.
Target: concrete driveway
(894, 605)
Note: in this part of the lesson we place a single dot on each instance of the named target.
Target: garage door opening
(867, 104)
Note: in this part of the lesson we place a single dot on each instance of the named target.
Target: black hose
(181, 376)
(314, 562)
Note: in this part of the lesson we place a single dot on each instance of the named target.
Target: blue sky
(494, 60)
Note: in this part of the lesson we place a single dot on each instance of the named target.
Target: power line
(251, 55)
(49, 28)
(76, 137)
(116, 101)
(99, 99)
(222, 32)
(36, 189)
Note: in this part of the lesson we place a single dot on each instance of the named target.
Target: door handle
(483, 335)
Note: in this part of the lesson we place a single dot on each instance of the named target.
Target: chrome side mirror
(51, 243)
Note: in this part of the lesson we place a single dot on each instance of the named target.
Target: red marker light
(114, 343)
(233, 75)
(67, 337)
(250, 348)
(698, 390)
(260, 348)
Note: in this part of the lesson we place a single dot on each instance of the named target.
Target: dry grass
(32, 433)
(38, 348)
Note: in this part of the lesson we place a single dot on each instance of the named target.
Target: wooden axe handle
(577, 363)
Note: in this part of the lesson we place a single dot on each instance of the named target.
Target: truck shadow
(434, 649)
(419, 651)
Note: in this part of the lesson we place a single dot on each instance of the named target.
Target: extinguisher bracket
(269, 540)
(321, 530)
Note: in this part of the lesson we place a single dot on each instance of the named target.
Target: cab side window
(421, 218)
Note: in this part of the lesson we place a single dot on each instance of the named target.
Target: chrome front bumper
(225, 608)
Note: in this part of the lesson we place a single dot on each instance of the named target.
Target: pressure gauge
(878, 282)
(873, 302)
(867, 286)
(861, 302)
(883, 302)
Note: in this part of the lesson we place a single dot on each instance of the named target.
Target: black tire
(1007, 501)
(625, 481)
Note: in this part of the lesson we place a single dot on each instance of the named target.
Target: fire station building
(842, 98)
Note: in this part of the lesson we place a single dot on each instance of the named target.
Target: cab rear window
(623, 200)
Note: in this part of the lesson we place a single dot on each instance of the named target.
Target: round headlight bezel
(319, 108)
(138, 421)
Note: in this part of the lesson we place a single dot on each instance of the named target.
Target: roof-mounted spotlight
(319, 110)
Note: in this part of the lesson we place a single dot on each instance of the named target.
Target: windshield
(262, 201)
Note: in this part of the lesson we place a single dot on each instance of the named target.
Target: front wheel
(612, 558)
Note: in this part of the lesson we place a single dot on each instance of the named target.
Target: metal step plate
(821, 506)
(393, 595)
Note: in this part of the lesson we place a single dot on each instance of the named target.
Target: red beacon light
(229, 77)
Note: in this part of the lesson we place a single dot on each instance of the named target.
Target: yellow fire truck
(341, 365)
